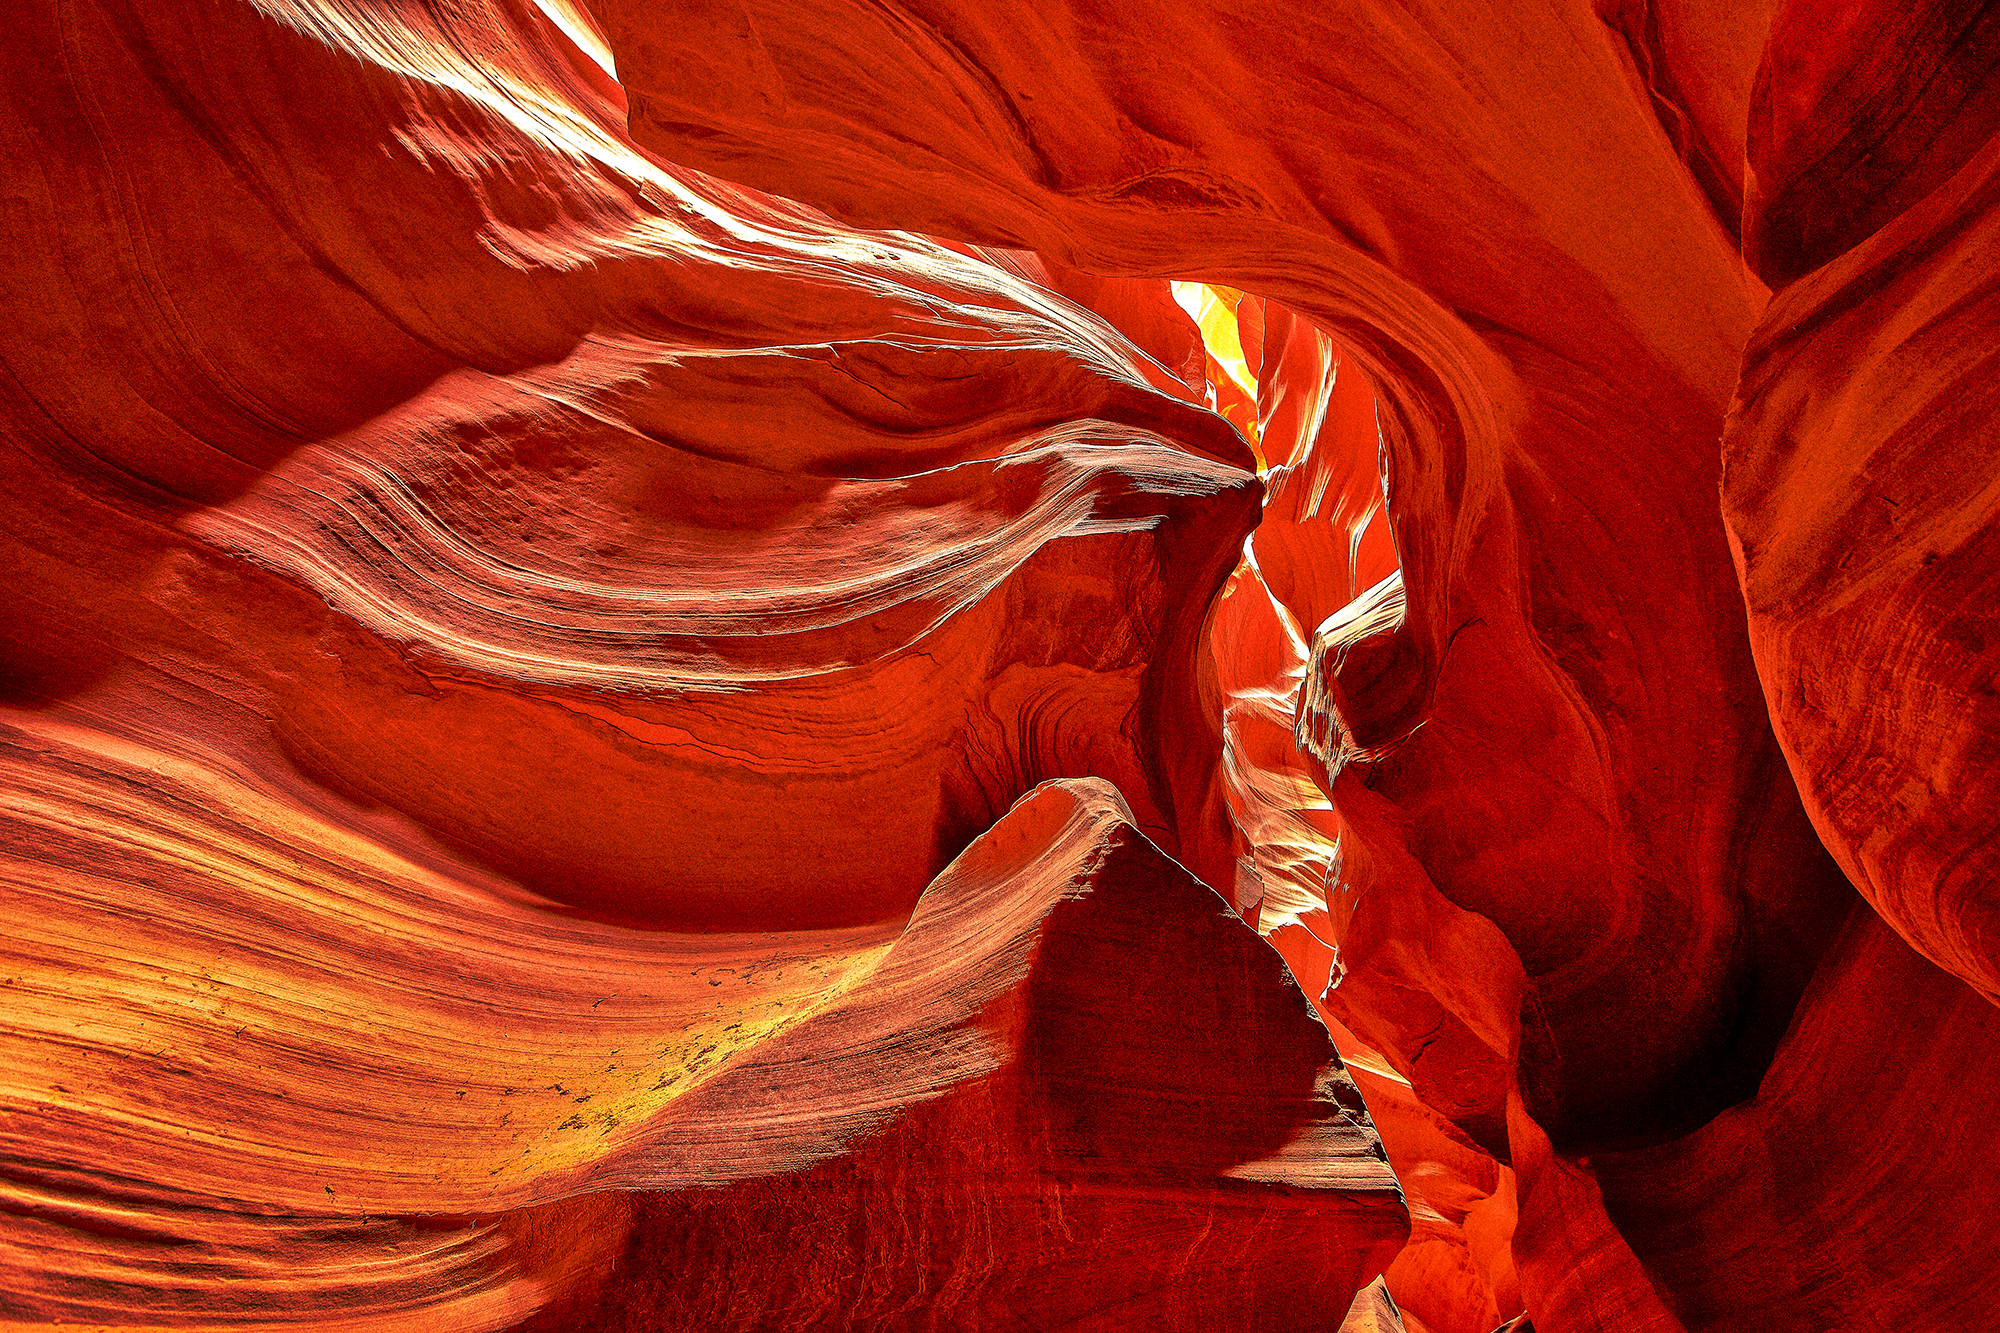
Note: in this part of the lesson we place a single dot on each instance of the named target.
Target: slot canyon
(787, 666)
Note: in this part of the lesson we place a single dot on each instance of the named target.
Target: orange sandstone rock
(643, 654)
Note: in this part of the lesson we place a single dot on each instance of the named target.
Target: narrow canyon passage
(998, 666)
(1318, 576)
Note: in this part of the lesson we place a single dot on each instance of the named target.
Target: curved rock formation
(645, 650)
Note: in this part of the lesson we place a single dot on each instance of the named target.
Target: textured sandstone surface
(646, 645)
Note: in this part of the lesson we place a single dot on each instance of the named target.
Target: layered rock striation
(652, 678)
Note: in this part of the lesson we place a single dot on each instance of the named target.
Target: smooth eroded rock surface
(660, 663)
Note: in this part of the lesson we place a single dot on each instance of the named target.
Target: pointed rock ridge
(1494, 226)
(199, 1084)
(551, 602)
(1374, 1311)
(1594, 778)
(478, 569)
(1042, 1193)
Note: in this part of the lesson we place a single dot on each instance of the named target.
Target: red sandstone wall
(635, 695)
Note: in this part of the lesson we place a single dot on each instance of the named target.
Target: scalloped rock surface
(948, 665)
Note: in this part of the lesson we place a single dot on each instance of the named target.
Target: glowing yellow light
(1213, 310)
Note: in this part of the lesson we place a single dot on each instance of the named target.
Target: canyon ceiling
(1000, 665)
